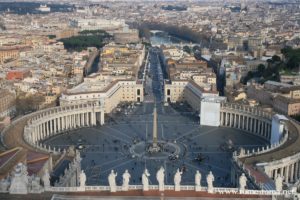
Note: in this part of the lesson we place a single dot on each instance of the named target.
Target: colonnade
(249, 120)
(259, 123)
(53, 121)
(247, 123)
(288, 168)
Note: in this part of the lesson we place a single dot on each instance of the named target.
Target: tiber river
(160, 38)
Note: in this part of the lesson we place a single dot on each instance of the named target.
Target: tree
(261, 68)
(196, 48)
(25, 104)
(187, 49)
(276, 58)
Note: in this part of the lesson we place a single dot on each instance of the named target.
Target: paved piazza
(114, 146)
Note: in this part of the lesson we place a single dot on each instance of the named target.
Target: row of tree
(94, 38)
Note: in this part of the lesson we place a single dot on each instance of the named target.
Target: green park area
(276, 66)
(85, 39)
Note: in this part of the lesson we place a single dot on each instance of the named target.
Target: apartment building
(7, 103)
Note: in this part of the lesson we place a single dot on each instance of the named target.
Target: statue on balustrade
(78, 157)
(112, 181)
(145, 180)
(126, 177)
(278, 183)
(160, 177)
(19, 182)
(242, 182)
(82, 178)
(71, 151)
(4, 185)
(198, 181)
(35, 184)
(177, 180)
(210, 179)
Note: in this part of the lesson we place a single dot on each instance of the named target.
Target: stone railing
(216, 190)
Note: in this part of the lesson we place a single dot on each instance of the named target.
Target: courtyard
(202, 148)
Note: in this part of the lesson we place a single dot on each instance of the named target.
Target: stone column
(55, 125)
(40, 128)
(243, 122)
(292, 173)
(221, 120)
(37, 129)
(51, 126)
(247, 122)
(44, 127)
(296, 171)
(268, 130)
(68, 122)
(48, 131)
(73, 121)
(226, 118)
(102, 117)
(88, 119)
(275, 173)
(63, 123)
(255, 126)
(33, 129)
(286, 177)
(77, 120)
(59, 124)
(92, 118)
(281, 171)
(259, 129)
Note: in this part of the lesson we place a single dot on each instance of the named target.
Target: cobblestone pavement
(203, 148)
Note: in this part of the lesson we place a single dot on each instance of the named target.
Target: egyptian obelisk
(154, 144)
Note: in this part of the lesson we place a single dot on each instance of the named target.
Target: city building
(7, 103)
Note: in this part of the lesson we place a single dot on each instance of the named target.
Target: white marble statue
(82, 179)
(46, 179)
(4, 185)
(19, 182)
(278, 183)
(126, 177)
(145, 180)
(112, 181)
(35, 184)
(177, 180)
(198, 181)
(78, 156)
(160, 177)
(242, 182)
(210, 179)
